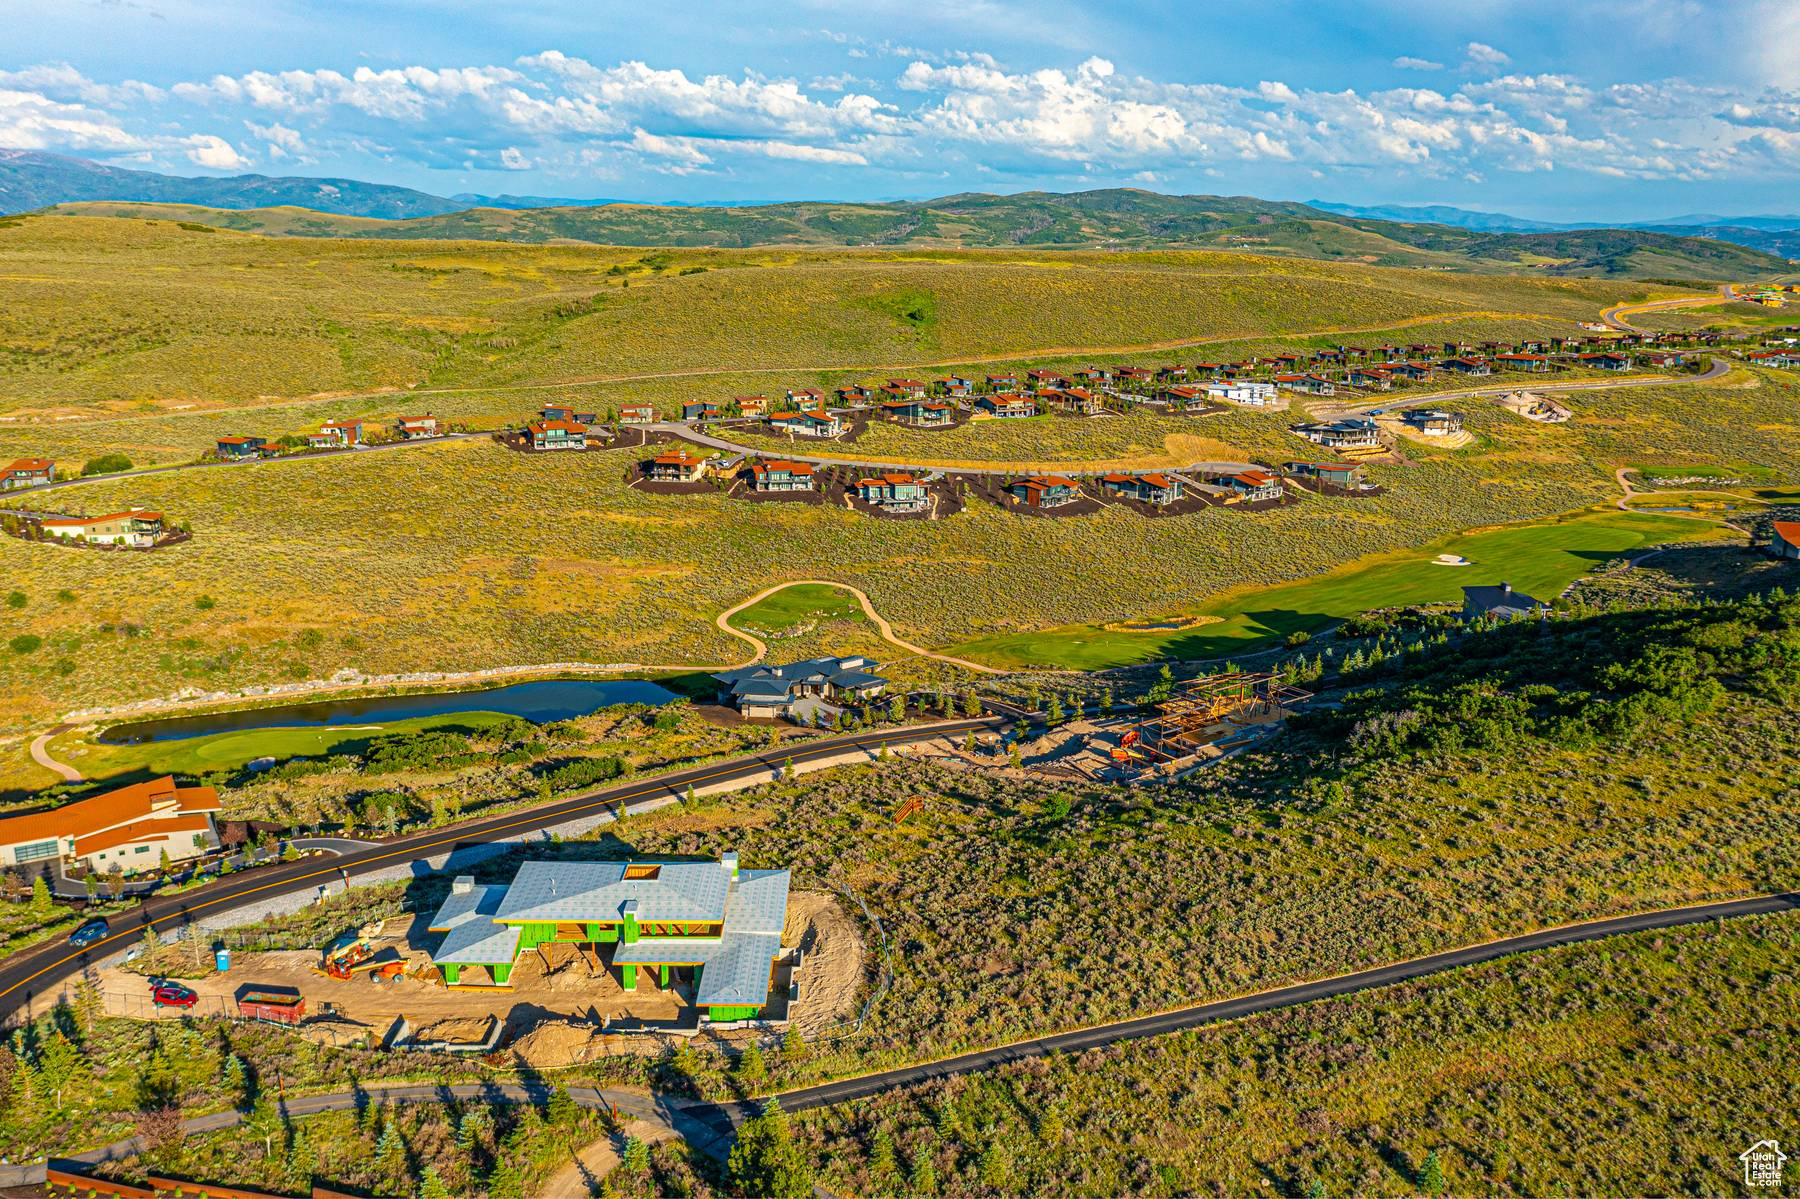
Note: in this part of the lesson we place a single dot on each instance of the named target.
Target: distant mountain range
(1444, 238)
(1778, 235)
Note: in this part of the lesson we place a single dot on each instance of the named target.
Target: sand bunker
(1160, 624)
(1451, 560)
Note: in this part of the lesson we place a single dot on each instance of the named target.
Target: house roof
(888, 479)
(474, 939)
(778, 681)
(677, 458)
(567, 426)
(1254, 478)
(82, 522)
(1501, 598)
(29, 464)
(736, 966)
(792, 468)
(352, 423)
(142, 830)
(238, 440)
(598, 892)
(97, 813)
(1788, 531)
(1041, 482)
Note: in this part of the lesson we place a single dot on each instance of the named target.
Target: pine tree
(750, 1066)
(971, 705)
(560, 1109)
(881, 1157)
(431, 1186)
(897, 709)
(1053, 711)
(40, 897)
(62, 1068)
(765, 1161)
(637, 1156)
(266, 1122)
(922, 1179)
(793, 1045)
(1013, 757)
(996, 1167)
(1431, 1175)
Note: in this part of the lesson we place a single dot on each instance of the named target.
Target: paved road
(1615, 316)
(33, 970)
(689, 433)
(827, 1094)
(40, 753)
(244, 464)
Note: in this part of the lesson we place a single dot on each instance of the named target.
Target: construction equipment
(350, 952)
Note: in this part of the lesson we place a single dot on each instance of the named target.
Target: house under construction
(1205, 717)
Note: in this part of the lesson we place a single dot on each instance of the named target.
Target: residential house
(137, 528)
(1433, 422)
(1134, 376)
(1172, 374)
(1045, 378)
(1006, 406)
(1095, 374)
(233, 449)
(1245, 392)
(911, 388)
(714, 925)
(799, 688)
(1253, 486)
(1285, 363)
(1044, 491)
(1156, 489)
(921, 414)
(1536, 364)
(894, 491)
(855, 394)
(778, 475)
(755, 407)
(1077, 401)
(960, 389)
(336, 434)
(1666, 359)
(676, 466)
(1347, 475)
(1329, 357)
(557, 435)
(27, 472)
(1378, 377)
(416, 428)
(1354, 432)
(1413, 372)
(699, 410)
(807, 423)
(1476, 367)
(567, 412)
(1317, 385)
(1785, 359)
(1003, 382)
(1604, 361)
(637, 414)
(1784, 539)
(806, 397)
(1458, 349)
(1500, 603)
(128, 827)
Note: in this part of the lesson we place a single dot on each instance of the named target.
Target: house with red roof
(1044, 491)
(777, 475)
(637, 414)
(814, 422)
(676, 466)
(336, 434)
(893, 491)
(1784, 539)
(1156, 489)
(1252, 486)
(921, 414)
(1317, 385)
(131, 828)
(137, 528)
(1076, 401)
(233, 449)
(27, 472)
(1006, 406)
(557, 435)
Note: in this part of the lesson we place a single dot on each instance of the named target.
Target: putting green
(1540, 558)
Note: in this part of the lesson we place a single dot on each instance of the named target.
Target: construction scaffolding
(1204, 709)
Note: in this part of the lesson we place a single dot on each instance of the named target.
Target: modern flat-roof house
(557, 435)
(921, 414)
(893, 491)
(1355, 432)
(1536, 364)
(699, 410)
(1156, 489)
(715, 920)
(1433, 422)
(417, 428)
(800, 688)
(1044, 491)
(1347, 475)
(816, 422)
(336, 434)
(1253, 486)
(567, 412)
(778, 475)
(138, 528)
(1253, 395)
(1046, 378)
(1606, 362)
(27, 472)
(637, 414)
(131, 828)
(1077, 401)
(232, 449)
(1501, 603)
(1467, 366)
(1784, 539)
(1006, 406)
(676, 466)
(1378, 376)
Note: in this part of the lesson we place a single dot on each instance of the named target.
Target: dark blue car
(92, 931)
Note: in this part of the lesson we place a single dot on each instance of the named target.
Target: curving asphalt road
(31, 971)
(1718, 367)
(1615, 316)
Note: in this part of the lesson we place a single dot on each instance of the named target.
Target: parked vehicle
(173, 995)
(94, 930)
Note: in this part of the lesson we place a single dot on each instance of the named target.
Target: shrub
(15, 599)
(205, 603)
(106, 464)
(26, 643)
(576, 773)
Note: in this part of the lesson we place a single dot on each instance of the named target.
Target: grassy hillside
(111, 316)
(1498, 1071)
(1117, 218)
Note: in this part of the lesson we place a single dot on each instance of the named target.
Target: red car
(173, 995)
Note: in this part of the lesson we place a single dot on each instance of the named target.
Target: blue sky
(1554, 110)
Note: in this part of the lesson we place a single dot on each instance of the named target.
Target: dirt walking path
(1623, 503)
(590, 1164)
(862, 598)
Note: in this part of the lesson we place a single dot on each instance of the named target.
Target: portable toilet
(222, 958)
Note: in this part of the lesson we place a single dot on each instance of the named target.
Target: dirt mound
(832, 977)
(465, 1030)
(560, 1043)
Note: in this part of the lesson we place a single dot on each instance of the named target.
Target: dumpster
(279, 1005)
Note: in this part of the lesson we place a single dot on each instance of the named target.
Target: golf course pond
(539, 702)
